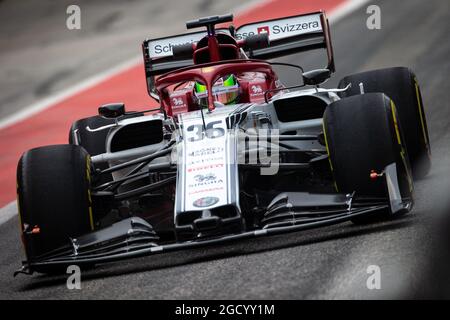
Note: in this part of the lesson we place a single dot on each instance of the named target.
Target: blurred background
(40, 56)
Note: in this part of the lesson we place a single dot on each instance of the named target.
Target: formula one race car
(231, 153)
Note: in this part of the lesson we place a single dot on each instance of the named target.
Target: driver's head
(225, 90)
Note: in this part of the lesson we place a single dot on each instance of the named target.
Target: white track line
(345, 9)
(10, 210)
(64, 94)
(7, 212)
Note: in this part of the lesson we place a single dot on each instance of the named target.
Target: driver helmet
(226, 90)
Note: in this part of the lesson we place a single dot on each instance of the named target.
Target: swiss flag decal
(264, 29)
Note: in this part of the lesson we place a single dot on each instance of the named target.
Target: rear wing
(291, 35)
(286, 35)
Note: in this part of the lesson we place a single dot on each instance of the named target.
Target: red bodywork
(252, 88)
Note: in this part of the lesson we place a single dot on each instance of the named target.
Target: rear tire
(361, 136)
(53, 193)
(400, 84)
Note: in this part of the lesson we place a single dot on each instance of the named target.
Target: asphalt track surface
(328, 263)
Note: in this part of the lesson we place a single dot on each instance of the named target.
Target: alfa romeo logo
(205, 202)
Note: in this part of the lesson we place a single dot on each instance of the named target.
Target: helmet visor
(225, 90)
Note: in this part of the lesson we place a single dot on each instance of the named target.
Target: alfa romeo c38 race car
(231, 153)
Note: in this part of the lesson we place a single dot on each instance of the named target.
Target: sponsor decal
(206, 151)
(282, 28)
(208, 69)
(256, 89)
(288, 28)
(166, 49)
(205, 202)
(205, 160)
(207, 190)
(264, 29)
(205, 171)
(278, 83)
(205, 177)
(202, 180)
(163, 47)
(243, 35)
(177, 102)
(201, 168)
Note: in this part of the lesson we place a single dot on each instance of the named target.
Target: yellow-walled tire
(362, 134)
(401, 85)
(53, 190)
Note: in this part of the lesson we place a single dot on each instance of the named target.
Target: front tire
(53, 194)
(401, 85)
(362, 135)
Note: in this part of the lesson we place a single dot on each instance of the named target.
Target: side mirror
(316, 77)
(112, 110)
